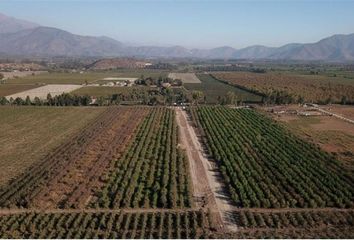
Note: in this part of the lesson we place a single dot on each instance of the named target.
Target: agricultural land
(215, 90)
(291, 88)
(28, 133)
(156, 157)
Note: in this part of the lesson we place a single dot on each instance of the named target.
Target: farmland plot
(293, 87)
(266, 166)
(28, 133)
(104, 225)
(42, 92)
(153, 172)
(214, 90)
(297, 223)
(70, 174)
(185, 77)
(9, 89)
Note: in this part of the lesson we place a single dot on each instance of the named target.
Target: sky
(194, 23)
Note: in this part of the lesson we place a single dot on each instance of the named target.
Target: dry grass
(28, 133)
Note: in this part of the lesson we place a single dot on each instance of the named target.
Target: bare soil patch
(8, 89)
(42, 92)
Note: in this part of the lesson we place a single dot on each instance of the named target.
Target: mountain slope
(337, 47)
(11, 25)
(19, 37)
(46, 41)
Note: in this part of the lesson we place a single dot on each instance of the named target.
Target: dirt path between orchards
(207, 186)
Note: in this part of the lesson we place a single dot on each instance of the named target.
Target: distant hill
(22, 38)
(46, 41)
(10, 24)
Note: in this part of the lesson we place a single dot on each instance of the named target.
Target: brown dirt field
(9, 89)
(80, 178)
(345, 111)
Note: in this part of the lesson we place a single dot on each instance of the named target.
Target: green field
(266, 166)
(28, 133)
(77, 78)
(214, 89)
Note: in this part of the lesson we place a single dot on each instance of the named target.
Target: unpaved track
(206, 179)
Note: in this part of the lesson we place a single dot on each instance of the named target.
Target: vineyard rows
(184, 224)
(266, 166)
(319, 223)
(285, 219)
(69, 175)
(153, 172)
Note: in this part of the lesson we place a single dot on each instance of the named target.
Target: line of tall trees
(64, 99)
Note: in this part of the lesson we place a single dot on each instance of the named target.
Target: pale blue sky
(197, 23)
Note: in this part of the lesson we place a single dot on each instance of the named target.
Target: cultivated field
(28, 133)
(102, 224)
(266, 166)
(285, 223)
(139, 172)
(215, 90)
(277, 190)
(11, 75)
(69, 175)
(9, 89)
(42, 92)
(333, 135)
(153, 172)
(185, 77)
(294, 87)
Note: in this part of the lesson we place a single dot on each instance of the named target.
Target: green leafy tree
(28, 101)
(197, 96)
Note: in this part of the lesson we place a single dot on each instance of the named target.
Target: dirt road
(207, 182)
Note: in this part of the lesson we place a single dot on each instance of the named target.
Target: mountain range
(22, 38)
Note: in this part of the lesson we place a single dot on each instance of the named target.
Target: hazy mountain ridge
(30, 39)
(10, 24)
